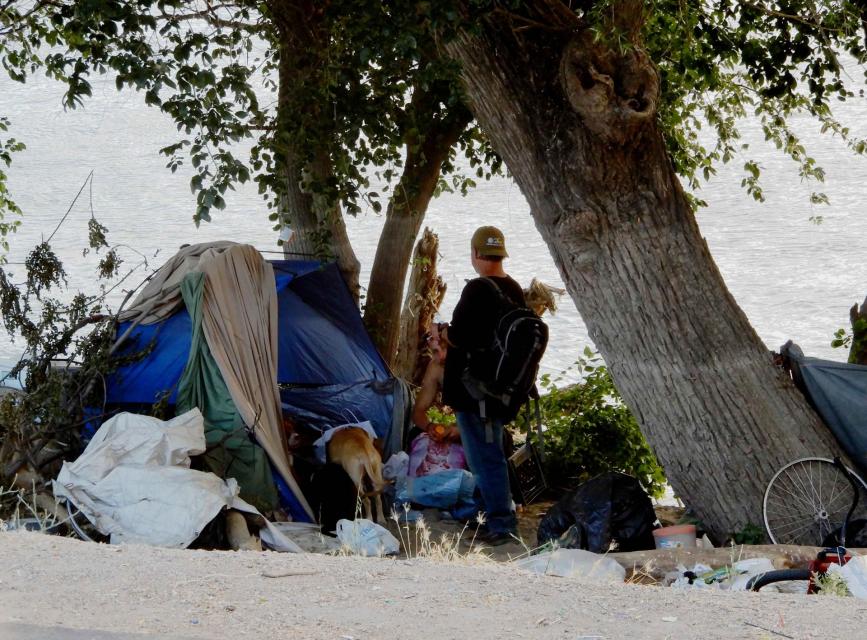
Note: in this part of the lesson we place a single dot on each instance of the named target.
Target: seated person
(437, 448)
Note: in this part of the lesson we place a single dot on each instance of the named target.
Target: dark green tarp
(231, 453)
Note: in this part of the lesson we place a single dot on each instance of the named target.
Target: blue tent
(329, 371)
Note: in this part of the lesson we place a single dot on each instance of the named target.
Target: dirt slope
(51, 582)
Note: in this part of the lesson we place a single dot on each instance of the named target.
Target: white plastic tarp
(575, 563)
(134, 483)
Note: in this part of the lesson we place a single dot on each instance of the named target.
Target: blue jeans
(488, 463)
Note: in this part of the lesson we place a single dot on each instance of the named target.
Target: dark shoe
(490, 539)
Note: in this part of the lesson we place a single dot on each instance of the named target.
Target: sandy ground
(51, 586)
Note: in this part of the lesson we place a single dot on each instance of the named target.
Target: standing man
(472, 330)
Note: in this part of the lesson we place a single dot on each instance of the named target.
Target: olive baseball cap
(489, 241)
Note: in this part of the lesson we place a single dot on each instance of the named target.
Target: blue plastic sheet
(322, 338)
(145, 380)
(838, 393)
(323, 348)
(329, 368)
(328, 406)
(443, 490)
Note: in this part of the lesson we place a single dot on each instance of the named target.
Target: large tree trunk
(406, 211)
(317, 222)
(576, 124)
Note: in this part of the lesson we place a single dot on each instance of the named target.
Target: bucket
(677, 537)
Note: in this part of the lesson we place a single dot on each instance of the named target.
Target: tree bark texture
(423, 298)
(403, 219)
(575, 122)
(318, 225)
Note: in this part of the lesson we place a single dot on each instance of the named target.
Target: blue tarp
(329, 368)
(838, 393)
(146, 379)
(322, 339)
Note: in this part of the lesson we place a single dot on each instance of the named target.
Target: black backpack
(503, 376)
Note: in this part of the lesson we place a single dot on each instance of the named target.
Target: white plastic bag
(575, 563)
(397, 466)
(746, 570)
(854, 573)
(365, 538)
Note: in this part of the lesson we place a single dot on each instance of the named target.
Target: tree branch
(788, 17)
(210, 15)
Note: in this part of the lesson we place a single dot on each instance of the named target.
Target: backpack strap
(502, 294)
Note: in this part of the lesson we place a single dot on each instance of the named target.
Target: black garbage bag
(611, 507)
(856, 535)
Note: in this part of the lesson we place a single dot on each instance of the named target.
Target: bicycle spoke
(843, 492)
(782, 521)
(806, 504)
(820, 483)
(845, 500)
(807, 497)
(793, 534)
(789, 506)
(816, 494)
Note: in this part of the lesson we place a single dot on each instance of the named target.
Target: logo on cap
(494, 242)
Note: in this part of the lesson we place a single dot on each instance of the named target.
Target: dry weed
(20, 509)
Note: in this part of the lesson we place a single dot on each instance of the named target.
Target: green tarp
(231, 453)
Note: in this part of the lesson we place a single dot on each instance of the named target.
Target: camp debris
(733, 577)
(134, 483)
(611, 508)
(249, 341)
(365, 538)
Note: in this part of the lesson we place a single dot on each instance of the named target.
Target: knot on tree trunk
(581, 227)
(615, 93)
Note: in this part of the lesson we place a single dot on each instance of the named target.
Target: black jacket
(473, 326)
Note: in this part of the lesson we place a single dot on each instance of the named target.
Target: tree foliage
(722, 62)
(68, 347)
(589, 430)
(212, 68)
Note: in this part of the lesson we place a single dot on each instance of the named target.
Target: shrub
(589, 430)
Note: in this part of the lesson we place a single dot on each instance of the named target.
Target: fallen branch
(289, 574)
(776, 633)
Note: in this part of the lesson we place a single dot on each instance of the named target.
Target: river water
(793, 278)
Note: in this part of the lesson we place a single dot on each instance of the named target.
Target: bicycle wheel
(806, 500)
(783, 575)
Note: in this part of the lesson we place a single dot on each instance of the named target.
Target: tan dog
(353, 450)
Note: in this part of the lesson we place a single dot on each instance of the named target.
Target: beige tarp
(239, 318)
(161, 296)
